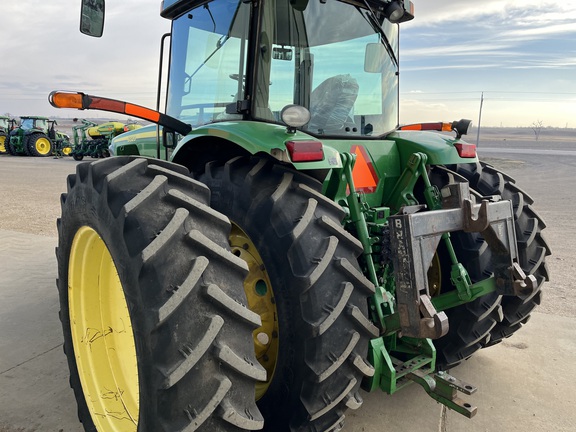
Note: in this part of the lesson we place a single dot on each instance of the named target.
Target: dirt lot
(524, 382)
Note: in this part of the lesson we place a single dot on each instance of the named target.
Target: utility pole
(479, 120)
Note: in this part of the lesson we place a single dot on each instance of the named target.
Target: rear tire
(38, 145)
(532, 246)
(489, 319)
(4, 138)
(184, 304)
(318, 290)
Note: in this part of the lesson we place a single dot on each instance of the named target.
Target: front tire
(319, 294)
(156, 329)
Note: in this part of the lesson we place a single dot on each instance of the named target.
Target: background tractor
(6, 125)
(92, 139)
(37, 136)
(299, 246)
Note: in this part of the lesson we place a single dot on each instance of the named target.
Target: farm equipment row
(91, 139)
(37, 136)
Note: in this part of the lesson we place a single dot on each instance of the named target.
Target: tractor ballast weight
(299, 238)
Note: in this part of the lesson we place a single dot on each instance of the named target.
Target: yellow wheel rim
(43, 146)
(67, 150)
(2, 144)
(261, 301)
(102, 335)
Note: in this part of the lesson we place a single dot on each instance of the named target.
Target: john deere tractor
(37, 136)
(299, 247)
(6, 125)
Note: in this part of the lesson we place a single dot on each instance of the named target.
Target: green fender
(255, 137)
(438, 147)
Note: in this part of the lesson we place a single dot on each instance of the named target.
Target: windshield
(27, 124)
(326, 55)
(209, 48)
(329, 58)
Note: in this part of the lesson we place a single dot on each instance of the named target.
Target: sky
(520, 54)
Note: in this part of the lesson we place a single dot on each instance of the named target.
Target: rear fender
(439, 148)
(229, 139)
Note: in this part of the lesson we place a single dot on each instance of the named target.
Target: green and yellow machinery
(37, 136)
(299, 246)
(6, 125)
(92, 139)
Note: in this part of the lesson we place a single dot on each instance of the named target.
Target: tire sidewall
(85, 207)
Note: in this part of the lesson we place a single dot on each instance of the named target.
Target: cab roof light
(466, 150)
(305, 151)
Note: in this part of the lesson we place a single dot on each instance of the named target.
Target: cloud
(42, 50)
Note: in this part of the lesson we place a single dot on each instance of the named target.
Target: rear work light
(305, 151)
(466, 150)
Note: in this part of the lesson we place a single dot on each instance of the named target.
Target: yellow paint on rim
(102, 335)
(67, 150)
(43, 146)
(260, 298)
(2, 144)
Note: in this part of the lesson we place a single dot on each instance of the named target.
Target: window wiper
(370, 17)
(219, 45)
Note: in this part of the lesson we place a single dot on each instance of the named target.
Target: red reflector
(466, 150)
(305, 151)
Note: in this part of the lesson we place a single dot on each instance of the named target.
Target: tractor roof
(34, 117)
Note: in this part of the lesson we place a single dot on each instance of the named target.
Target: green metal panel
(439, 148)
(258, 137)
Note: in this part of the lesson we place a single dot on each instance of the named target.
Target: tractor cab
(34, 123)
(327, 68)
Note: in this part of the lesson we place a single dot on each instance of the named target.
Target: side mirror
(374, 58)
(92, 17)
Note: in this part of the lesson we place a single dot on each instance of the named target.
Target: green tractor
(299, 246)
(37, 136)
(6, 126)
(92, 139)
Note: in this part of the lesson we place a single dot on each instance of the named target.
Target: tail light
(466, 150)
(305, 151)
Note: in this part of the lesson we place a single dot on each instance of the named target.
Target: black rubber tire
(10, 148)
(165, 239)
(532, 246)
(312, 264)
(30, 145)
(4, 146)
(489, 319)
(77, 157)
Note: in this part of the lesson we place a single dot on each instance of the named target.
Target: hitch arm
(444, 388)
(81, 101)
